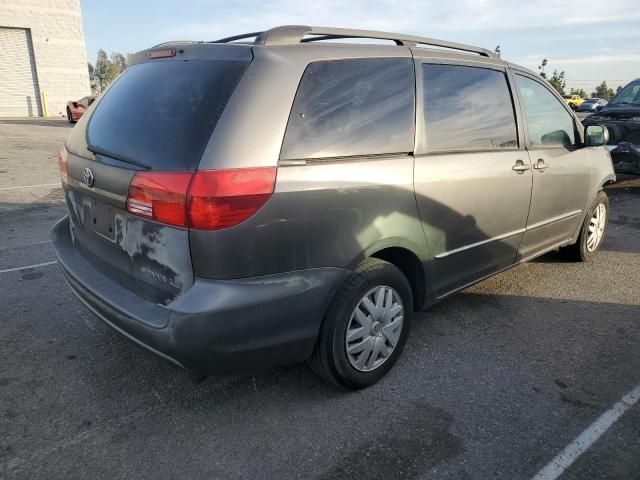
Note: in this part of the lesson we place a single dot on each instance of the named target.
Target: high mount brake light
(204, 200)
(171, 52)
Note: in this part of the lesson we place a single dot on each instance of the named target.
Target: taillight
(224, 198)
(205, 200)
(63, 165)
(160, 196)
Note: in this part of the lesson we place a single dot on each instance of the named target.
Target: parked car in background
(75, 109)
(574, 101)
(287, 199)
(622, 118)
(591, 105)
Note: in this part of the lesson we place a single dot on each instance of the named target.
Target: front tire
(592, 232)
(366, 326)
(69, 116)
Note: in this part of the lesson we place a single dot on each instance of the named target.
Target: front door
(472, 181)
(561, 172)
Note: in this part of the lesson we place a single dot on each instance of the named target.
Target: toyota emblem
(87, 176)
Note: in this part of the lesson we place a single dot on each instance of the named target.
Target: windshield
(629, 95)
(161, 114)
(591, 100)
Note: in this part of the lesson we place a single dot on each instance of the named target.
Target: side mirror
(596, 136)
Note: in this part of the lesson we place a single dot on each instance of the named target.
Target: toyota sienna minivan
(285, 196)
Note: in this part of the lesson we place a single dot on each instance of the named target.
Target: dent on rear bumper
(215, 326)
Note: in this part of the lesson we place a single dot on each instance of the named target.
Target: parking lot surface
(494, 382)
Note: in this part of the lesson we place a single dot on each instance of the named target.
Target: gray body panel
(461, 216)
(559, 197)
(474, 209)
(473, 205)
(215, 326)
(330, 214)
(564, 190)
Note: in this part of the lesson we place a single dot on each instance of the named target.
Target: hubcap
(596, 227)
(374, 328)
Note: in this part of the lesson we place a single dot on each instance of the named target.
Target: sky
(590, 40)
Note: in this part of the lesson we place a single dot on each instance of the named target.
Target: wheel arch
(608, 180)
(408, 262)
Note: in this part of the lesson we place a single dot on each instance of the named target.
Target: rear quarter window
(352, 107)
(162, 113)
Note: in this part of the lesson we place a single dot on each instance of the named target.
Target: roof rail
(171, 42)
(242, 36)
(293, 34)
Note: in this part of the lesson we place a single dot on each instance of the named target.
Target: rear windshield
(162, 113)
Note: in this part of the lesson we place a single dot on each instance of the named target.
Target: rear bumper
(217, 326)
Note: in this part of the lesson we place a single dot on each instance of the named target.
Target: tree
(603, 91)
(497, 51)
(92, 78)
(558, 81)
(107, 69)
(101, 70)
(119, 60)
(580, 92)
(618, 89)
(541, 68)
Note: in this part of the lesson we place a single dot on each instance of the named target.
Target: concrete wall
(58, 44)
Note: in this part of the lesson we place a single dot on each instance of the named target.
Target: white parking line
(582, 442)
(35, 265)
(32, 186)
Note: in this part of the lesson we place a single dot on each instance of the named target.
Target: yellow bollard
(43, 99)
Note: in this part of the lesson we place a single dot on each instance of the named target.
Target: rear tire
(356, 348)
(592, 232)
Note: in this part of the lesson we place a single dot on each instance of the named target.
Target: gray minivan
(280, 196)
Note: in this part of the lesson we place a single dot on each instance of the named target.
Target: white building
(42, 56)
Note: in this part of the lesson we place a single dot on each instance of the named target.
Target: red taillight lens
(160, 196)
(224, 198)
(206, 200)
(63, 165)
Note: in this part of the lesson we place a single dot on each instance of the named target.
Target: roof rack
(294, 34)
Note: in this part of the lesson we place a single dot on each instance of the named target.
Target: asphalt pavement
(494, 382)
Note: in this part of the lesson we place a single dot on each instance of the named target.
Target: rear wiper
(107, 153)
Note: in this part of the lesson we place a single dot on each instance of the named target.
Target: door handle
(520, 167)
(540, 165)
